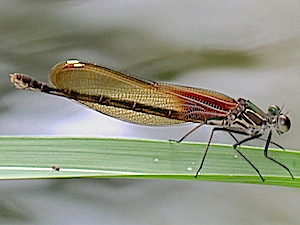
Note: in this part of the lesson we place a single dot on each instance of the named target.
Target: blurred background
(246, 49)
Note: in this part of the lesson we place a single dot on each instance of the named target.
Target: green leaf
(34, 157)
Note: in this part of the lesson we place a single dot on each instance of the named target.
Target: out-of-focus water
(246, 49)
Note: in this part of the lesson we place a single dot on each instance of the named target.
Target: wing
(135, 99)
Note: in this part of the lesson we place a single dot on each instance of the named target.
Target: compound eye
(284, 124)
(274, 110)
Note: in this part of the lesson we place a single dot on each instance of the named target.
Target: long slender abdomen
(22, 81)
(25, 82)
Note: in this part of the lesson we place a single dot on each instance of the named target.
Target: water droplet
(189, 168)
(193, 163)
(155, 160)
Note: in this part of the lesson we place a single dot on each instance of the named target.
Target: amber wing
(138, 100)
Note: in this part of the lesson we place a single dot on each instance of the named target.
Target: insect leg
(241, 154)
(234, 146)
(268, 141)
(207, 147)
(191, 131)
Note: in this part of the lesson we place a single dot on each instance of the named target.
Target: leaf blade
(34, 157)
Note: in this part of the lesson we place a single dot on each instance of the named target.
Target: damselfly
(137, 100)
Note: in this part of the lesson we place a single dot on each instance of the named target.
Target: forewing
(95, 80)
(182, 104)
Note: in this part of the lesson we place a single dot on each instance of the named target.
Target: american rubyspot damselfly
(137, 100)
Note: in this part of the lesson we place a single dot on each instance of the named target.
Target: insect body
(137, 100)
